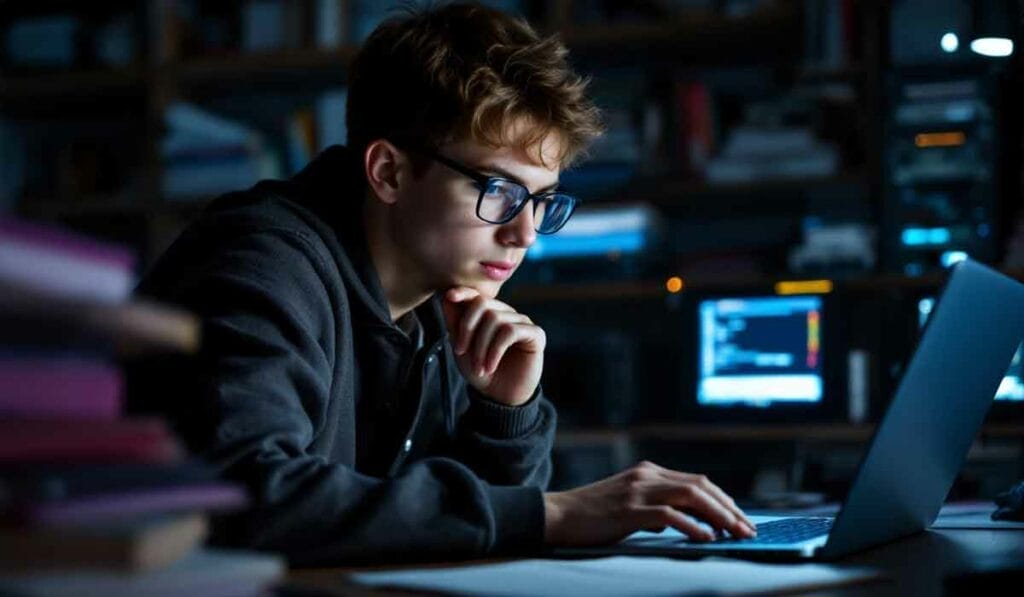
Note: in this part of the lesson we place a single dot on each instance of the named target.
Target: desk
(916, 565)
(919, 564)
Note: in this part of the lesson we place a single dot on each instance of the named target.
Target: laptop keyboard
(787, 530)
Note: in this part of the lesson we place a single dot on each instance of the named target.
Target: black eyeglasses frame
(485, 181)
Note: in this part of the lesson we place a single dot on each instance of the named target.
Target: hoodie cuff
(518, 518)
(500, 420)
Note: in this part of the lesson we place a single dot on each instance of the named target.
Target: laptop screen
(758, 351)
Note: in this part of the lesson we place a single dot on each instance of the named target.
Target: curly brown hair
(457, 71)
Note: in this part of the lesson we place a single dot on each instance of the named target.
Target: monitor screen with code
(759, 351)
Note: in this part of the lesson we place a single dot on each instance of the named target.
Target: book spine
(52, 271)
(137, 546)
(60, 388)
(105, 508)
(69, 244)
(56, 440)
(35, 483)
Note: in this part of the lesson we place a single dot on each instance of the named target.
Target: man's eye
(494, 188)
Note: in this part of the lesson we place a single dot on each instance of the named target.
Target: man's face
(437, 225)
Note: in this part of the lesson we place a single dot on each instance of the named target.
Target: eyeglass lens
(502, 199)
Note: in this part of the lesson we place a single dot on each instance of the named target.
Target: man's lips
(498, 270)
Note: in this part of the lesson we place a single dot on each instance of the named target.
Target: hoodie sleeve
(506, 445)
(257, 395)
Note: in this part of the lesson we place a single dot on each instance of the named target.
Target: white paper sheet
(620, 576)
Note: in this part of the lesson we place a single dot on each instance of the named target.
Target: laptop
(917, 449)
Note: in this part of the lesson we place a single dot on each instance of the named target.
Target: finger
(667, 516)
(465, 294)
(452, 316)
(483, 335)
(454, 306)
(527, 335)
(694, 500)
(714, 490)
(471, 318)
(730, 504)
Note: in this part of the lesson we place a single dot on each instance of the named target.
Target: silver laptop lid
(940, 404)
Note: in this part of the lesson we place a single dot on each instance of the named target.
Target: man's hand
(500, 352)
(644, 497)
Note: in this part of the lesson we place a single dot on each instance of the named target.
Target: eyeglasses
(502, 199)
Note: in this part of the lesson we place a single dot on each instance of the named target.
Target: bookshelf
(166, 67)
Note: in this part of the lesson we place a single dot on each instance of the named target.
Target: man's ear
(386, 167)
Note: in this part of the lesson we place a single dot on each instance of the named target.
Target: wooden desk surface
(928, 563)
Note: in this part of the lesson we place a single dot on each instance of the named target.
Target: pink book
(70, 441)
(64, 387)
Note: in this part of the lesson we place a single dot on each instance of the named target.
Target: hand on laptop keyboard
(643, 497)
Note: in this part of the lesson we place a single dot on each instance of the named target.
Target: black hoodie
(355, 445)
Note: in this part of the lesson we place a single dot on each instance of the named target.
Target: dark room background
(818, 162)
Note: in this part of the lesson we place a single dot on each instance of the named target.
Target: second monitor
(761, 351)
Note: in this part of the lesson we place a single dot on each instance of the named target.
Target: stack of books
(205, 154)
(93, 501)
(756, 153)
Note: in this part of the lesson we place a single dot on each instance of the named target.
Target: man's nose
(519, 232)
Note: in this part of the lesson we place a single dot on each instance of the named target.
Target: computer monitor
(760, 352)
(1011, 389)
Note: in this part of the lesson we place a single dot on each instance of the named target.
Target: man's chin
(488, 288)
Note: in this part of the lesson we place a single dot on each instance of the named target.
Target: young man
(357, 372)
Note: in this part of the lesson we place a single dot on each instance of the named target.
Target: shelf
(697, 32)
(97, 82)
(842, 74)
(328, 65)
(715, 432)
(249, 68)
(709, 432)
(672, 190)
(51, 92)
(711, 37)
(595, 291)
(680, 198)
(838, 432)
